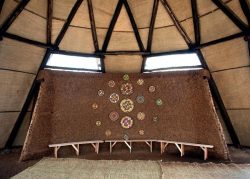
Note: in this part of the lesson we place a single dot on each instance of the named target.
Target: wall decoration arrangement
(111, 83)
(114, 98)
(141, 116)
(113, 116)
(108, 133)
(127, 89)
(94, 106)
(126, 77)
(98, 123)
(100, 93)
(141, 132)
(159, 102)
(127, 122)
(126, 137)
(140, 99)
(140, 82)
(127, 105)
(155, 119)
(151, 89)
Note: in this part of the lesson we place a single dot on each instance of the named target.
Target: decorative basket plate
(141, 116)
(141, 132)
(126, 137)
(108, 133)
(151, 89)
(155, 119)
(127, 122)
(126, 77)
(159, 102)
(100, 92)
(98, 123)
(140, 82)
(111, 83)
(114, 98)
(127, 89)
(140, 99)
(94, 106)
(127, 105)
(113, 115)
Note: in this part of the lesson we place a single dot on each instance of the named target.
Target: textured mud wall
(64, 110)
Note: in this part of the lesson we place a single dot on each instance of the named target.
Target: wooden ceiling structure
(123, 33)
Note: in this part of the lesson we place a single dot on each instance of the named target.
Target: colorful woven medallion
(155, 119)
(126, 77)
(108, 133)
(159, 102)
(140, 99)
(151, 89)
(140, 82)
(111, 83)
(113, 115)
(127, 105)
(127, 122)
(98, 123)
(141, 116)
(141, 132)
(126, 137)
(94, 106)
(127, 89)
(100, 92)
(114, 98)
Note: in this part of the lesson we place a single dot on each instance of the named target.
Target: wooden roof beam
(67, 23)
(135, 28)
(13, 16)
(111, 26)
(49, 20)
(177, 24)
(246, 9)
(231, 15)
(196, 22)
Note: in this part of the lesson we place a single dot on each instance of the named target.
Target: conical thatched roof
(123, 33)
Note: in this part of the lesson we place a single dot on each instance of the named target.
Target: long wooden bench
(76, 146)
(128, 143)
(163, 144)
(180, 146)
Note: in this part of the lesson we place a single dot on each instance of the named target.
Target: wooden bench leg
(110, 147)
(149, 144)
(180, 148)
(56, 148)
(161, 147)
(205, 152)
(76, 148)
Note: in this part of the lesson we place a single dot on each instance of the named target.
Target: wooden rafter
(196, 22)
(135, 28)
(94, 34)
(67, 23)
(150, 33)
(49, 20)
(224, 39)
(152, 24)
(1, 5)
(177, 24)
(13, 16)
(231, 15)
(246, 9)
(92, 23)
(219, 101)
(25, 40)
(111, 26)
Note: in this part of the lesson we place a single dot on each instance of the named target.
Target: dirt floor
(10, 165)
